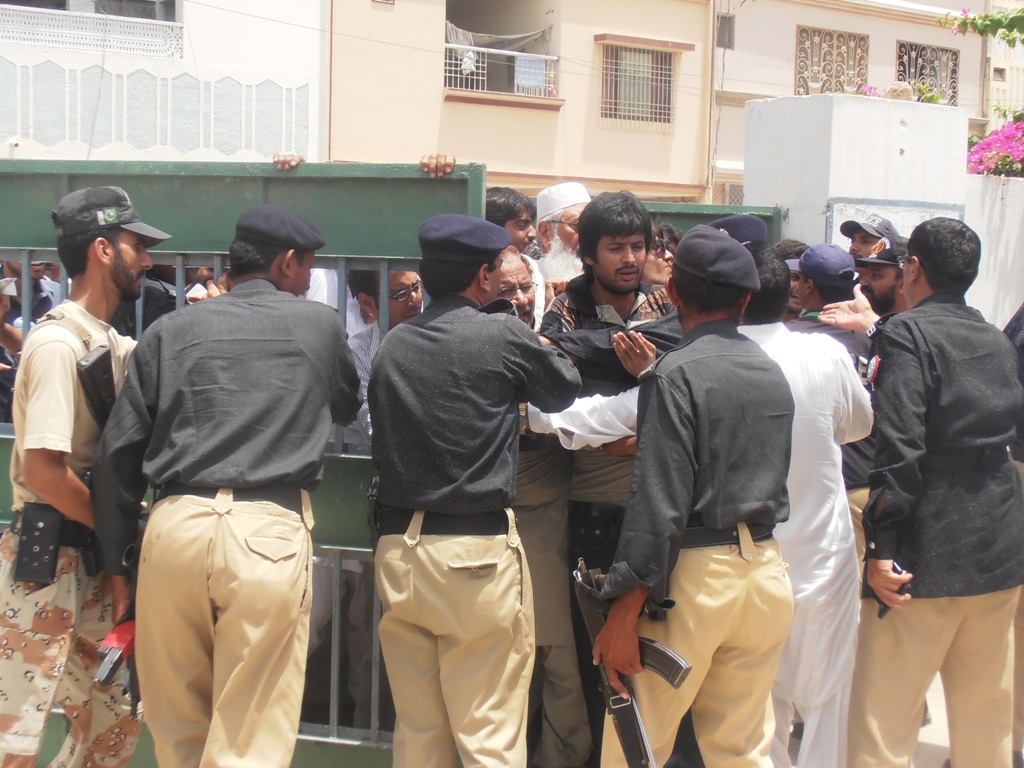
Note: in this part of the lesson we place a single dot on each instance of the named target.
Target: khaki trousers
(564, 731)
(1018, 661)
(48, 643)
(734, 607)
(967, 641)
(858, 499)
(457, 636)
(1018, 675)
(223, 621)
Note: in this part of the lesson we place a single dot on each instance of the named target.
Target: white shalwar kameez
(816, 667)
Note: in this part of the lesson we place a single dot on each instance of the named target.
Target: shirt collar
(943, 298)
(710, 328)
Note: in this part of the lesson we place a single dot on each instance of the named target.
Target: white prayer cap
(554, 200)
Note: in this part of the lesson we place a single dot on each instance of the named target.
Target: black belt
(287, 496)
(395, 520)
(72, 532)
(714, 537)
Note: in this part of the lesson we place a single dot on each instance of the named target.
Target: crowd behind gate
(797, 465)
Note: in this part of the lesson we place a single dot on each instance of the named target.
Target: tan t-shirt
(49, 407)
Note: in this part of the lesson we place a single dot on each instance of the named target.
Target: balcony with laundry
(501, 69)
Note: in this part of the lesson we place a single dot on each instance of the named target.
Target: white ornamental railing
(72, 31)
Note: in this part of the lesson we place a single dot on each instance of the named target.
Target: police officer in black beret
(226, 412)
(444, 390)
(714, 430)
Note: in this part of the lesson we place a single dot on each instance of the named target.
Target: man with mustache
(405, 301)
(615, 234)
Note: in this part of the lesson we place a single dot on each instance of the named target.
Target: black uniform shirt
(715, 429)
(946, 393)
(234, 392)
(444, 393)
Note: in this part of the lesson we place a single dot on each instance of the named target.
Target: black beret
(711, 254)
(457, 237)
(276, 225)
(741, 227)
(95, 208)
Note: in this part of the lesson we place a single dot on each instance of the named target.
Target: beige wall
(386, 65)
(388, 100)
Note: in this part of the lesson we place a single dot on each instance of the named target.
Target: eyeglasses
(574, 224)
(661, 249)
(512, 290)
(901, 263)
(401, 296)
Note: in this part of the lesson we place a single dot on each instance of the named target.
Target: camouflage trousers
(49, 638)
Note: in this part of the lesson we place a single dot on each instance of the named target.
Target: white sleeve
(590, 421)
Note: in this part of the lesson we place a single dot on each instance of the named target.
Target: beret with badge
(741, 227)
(94, 209)
(457, 237)
(711, 254)
(276, 225)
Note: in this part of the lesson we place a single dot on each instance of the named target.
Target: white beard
(560, 263)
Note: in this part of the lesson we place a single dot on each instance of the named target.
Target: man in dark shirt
(445, 387)
(226, 412)
(946, 506)
(715, 432)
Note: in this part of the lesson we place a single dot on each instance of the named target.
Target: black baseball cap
(97, 208)
(874, 225)
(886, 252)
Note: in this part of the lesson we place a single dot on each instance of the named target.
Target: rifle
(654, 656)
(117, 650)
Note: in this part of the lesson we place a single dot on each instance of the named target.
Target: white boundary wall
(827, 158)
(995, 210)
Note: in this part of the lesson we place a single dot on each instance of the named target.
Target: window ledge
(497, 99)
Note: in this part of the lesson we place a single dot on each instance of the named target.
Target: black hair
(949, 252)
(444, 277)
(768, 304)
(364, 281)
(704, 294)
(833, 294)
(790, 249)
(612, 214)
(251, 257)
(73, 250)
(504, 204)
(671, 234)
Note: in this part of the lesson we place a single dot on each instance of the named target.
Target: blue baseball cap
(826, 264)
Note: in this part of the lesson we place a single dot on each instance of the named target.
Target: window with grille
(830, 61)
(936, 68)
(636, 88)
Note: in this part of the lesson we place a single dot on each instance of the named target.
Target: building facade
(162, 79)
(539, 90)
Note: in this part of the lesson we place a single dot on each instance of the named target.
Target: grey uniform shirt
(714, 428)
(234, 392)
(444, 393)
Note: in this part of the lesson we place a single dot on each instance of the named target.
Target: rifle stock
(654, 656)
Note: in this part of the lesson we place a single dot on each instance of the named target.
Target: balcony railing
(469, 68)
(73, 31)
